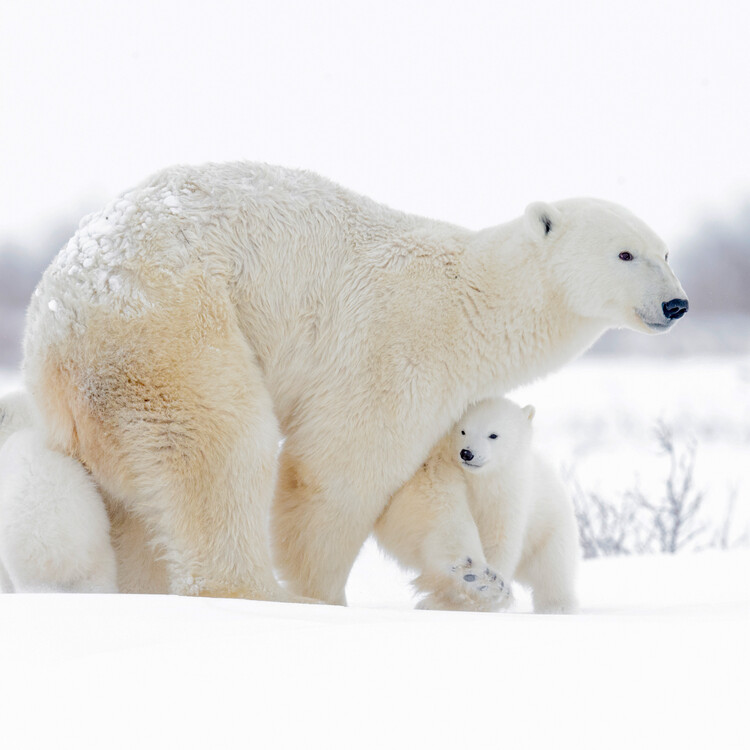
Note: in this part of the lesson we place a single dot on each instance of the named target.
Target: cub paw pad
(478, 587)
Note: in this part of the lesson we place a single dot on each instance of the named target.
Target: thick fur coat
(484, 510)
(195, 320)
(54, 529)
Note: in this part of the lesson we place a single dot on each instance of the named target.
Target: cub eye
(462, 432)
(493, 436)
(625, 255)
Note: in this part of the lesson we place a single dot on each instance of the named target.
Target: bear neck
(531, 330)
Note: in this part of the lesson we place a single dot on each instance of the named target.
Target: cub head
(606, 264)
(492, 434)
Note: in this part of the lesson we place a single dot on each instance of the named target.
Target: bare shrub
(607, 528)
(725, 537)
(674, 515)
(669, 522)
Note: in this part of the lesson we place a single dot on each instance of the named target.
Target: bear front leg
(471, 587)
(504, 551)
(551, 568)
(428, 526)
(318, 528)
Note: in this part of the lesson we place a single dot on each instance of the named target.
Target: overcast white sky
(461, 111)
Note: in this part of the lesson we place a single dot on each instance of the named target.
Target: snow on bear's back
(227, 219)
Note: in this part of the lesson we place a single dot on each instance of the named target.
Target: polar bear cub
(54, 529)
(485, 510)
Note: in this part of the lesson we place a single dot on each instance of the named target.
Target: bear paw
(479, 585)
(469, 587)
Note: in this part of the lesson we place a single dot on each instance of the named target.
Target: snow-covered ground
(658, 656)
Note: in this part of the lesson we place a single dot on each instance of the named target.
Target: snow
(657, 658)
(596, 419)
(9, 381)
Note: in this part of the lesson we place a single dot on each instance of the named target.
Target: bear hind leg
(190, 447)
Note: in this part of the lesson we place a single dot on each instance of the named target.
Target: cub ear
(529, 411)
(542, 219)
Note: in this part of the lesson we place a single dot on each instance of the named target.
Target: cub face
(491, 434)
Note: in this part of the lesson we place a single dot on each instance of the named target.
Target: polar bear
(482, 511)
(15, 414)
(54, 529)
(198, 318)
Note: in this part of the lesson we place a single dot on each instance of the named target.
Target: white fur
(15, 414)
(54, 530)
(493, 501)
(194, 320)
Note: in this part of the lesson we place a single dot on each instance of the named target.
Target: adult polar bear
(202, 315)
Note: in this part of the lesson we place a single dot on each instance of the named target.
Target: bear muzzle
(675, 308)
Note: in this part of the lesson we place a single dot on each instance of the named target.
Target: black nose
(675, 308)
(466, 454)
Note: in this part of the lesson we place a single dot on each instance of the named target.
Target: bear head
(606, 264)
(491, 435)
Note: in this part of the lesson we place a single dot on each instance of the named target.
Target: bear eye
(493, 436)
(625, 255)
(462, 432)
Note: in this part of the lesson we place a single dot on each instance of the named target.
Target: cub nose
(466, 454)
(675, 308)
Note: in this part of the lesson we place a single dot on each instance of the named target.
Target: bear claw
(477, 588)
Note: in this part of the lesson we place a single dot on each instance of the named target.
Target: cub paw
(464, 586)
(479, 585)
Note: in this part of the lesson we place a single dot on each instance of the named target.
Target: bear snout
(675, 308)
(466, 454)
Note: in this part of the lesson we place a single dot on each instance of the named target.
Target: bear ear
(529, 411)
(541, 219)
